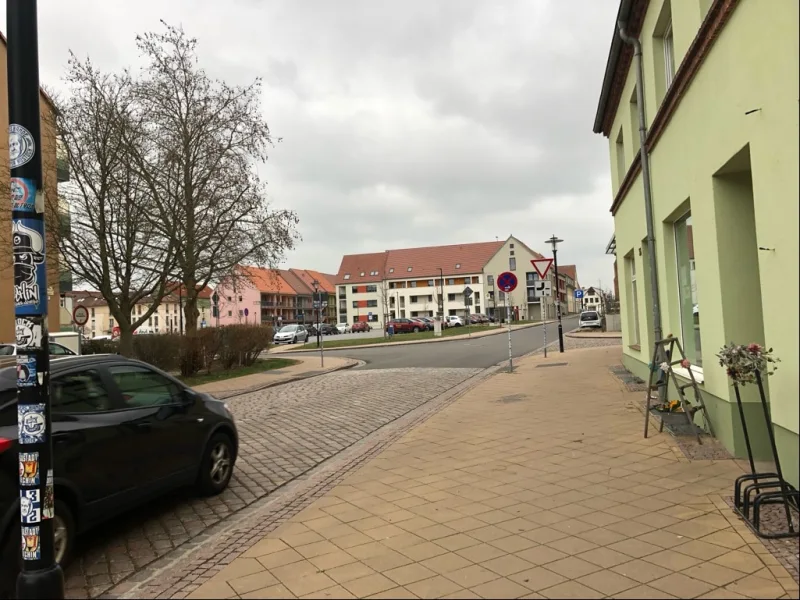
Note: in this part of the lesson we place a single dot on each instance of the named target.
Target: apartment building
(275, 296)
(417, 282)
(720, 81)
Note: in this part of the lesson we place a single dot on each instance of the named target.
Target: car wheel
(216, 467)
(416, 329)
(294, 340)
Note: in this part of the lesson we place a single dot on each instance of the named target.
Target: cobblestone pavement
(284, 432)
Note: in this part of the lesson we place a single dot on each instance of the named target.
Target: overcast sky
(403, 123)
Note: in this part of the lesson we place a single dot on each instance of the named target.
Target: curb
(593, 337)
(257, 388)
(452, 338)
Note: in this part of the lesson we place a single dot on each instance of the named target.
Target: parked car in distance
(430, 321)
(424, 325)
(405, 326)
(291, 334)
(454, 321)
(123, 433)
(343, 327)
(590, 318)
(55, 350)
(483, 318)
(328, 329)
(360, 326)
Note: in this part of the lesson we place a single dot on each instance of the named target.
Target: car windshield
(288, 328)
(6, 350)
(589, 316)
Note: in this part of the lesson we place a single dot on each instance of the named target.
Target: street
(477, 353)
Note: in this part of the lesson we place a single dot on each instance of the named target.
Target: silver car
(291, 334)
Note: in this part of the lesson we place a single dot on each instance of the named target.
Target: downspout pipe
(645, 162)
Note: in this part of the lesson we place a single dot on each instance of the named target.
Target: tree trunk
(125, 340)
(190, 315)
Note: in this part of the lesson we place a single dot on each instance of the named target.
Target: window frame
(696, 369)
(669, 56)
(113, 393)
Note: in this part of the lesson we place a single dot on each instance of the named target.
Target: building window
(531, 278)
(490, 280)
(372, 288)
(111, 323)
(430, 282)
(240, 298)
(621, 164)
(451, 282)
(362, 273)
(414, 299)
(155, 320)
(409, 269)
(230, 314)
(511, 245)
(372, 303)
(451, 297)
(355, 303)
(391, 270)
(634, 308)
(669, 56)
(511, 253)
(92, 312)
(347, 276)
(413, 284)
(458, 265)
(687, 290)
(512, 263)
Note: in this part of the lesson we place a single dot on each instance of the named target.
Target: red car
(360, 326)
(405, 326)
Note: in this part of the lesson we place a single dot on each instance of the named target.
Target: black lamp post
(554, 241)
(320, 345)
(40, 576)
(441, 295)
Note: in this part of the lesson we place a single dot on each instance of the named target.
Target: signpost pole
(508, 326)
(40, 575)
(507, 282)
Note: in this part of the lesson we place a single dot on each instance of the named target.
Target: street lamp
(318, 303)
(441, 295)
(554, 241)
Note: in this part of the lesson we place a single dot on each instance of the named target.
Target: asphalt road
(476, 353)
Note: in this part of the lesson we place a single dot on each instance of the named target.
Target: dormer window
(458, 265)
(347, 275)
(362, 273)
(391, 270)
(409, 269)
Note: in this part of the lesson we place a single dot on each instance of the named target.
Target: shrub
(99, 347)
(160, 350)
(241, 344)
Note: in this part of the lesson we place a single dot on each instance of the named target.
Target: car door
(302, 333)
(162, 423)
(86, 445)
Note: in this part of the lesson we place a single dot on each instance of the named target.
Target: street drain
(552, 365)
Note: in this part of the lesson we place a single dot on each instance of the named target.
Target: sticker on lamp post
(29, 266)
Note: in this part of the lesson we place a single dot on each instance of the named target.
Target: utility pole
(320, 343)
(554, 241)
(40, 576)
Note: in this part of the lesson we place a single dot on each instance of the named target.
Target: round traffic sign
(116, 332)
(507, 282)
(80, 315)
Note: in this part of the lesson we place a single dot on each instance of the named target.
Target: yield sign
(542, 266)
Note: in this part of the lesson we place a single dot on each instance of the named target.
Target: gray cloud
(403, 124)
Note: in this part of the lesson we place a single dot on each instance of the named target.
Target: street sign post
(40, 575)
(542, 266)
(507, 283)
(80, 315)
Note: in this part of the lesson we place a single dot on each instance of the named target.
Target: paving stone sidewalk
(533, 484)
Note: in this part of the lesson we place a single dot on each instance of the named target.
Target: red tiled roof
(570, 271)
(178, 289)
(308, 278)
(426, 262)
(353, 265)
(267, 280)
(296, 282)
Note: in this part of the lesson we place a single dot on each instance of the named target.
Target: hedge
(226, 347)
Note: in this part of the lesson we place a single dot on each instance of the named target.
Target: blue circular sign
(507, 281)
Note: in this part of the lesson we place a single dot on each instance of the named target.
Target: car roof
(62, 363)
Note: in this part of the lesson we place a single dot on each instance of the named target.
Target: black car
(124, 432)
(328, 329)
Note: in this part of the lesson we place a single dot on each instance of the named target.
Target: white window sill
(696, 371)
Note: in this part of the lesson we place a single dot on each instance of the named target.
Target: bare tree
(205, 139)
(113, 244)
(384, 298)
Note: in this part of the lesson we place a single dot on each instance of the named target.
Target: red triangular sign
(542, 266)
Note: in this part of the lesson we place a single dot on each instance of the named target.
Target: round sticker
(21, 146)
